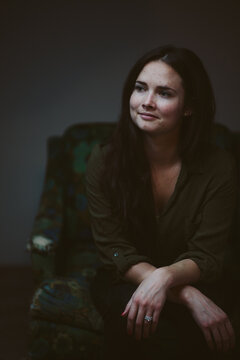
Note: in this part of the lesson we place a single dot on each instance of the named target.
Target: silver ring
(148, 318)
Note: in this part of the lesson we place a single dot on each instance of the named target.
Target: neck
(162, 150)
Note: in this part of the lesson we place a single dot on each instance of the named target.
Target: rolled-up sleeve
(116, 252)
(211, 230)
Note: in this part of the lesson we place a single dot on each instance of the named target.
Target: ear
(187, 112)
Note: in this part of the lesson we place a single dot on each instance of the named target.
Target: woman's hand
(211, 319)
(147, 300)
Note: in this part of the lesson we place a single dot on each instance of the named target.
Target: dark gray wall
(65, 62)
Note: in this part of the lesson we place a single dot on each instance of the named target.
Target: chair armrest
(48, 224)
(43, 267)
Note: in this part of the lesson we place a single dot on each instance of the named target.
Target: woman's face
(157, 101)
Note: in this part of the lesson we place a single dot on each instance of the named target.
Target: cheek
(132, 107)
(134, 101)
(171, 108)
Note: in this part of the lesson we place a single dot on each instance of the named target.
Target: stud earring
(188, 113)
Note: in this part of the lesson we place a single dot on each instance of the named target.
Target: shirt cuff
(209, 269)
(123, 262)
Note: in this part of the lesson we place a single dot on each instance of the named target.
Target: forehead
(160, 74)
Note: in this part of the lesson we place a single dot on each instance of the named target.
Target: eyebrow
(158, 87)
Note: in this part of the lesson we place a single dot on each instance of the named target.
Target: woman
(162, 203)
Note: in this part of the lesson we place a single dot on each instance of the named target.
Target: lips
(148, 116)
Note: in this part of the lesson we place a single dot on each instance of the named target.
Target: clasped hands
(149, 299)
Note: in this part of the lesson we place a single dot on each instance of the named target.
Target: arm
(182, 272)
(210, 224)
(116, 252)
(212, 320)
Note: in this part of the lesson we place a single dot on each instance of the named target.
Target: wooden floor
(16, 290)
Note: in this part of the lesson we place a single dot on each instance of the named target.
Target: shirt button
(115, 254)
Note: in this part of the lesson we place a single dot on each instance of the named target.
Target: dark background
(65, 62)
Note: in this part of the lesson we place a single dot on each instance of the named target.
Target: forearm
(180, 273)
(180, 294)
(183, 272)
(139, 272)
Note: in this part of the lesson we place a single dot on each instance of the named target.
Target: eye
(139, 88)
(164, 93)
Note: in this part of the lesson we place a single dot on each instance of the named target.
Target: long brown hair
(126, 179)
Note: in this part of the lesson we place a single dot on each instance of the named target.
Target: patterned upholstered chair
(64, 323)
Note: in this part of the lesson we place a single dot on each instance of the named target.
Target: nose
(149, 101)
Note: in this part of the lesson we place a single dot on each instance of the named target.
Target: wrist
(139, 272)
(186, 295)
(165, 276)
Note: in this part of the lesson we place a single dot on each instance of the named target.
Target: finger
(139, 323)
(208, 338)
(155, 320)
(217, 338)
(225, 336)
(127, 308)
(131, 318)
(231, 333)
(147, 326)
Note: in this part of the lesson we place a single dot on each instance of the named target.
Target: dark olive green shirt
(195, 224)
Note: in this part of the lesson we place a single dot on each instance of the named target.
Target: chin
(148, 126)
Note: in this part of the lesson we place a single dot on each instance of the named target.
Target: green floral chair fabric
(64, 323)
